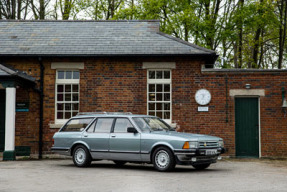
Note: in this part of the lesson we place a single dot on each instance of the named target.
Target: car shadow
(144, 167)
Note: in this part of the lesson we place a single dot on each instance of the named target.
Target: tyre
(120, 163)
(81, 156)
(163, 159)
(201, 166)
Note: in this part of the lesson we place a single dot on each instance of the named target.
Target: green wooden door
(246, 127)
(2, 119)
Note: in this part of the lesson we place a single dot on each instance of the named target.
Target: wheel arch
(77, 144)
(157, 145)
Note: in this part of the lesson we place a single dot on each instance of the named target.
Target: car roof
(106, 114)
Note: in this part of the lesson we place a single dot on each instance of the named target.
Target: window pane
(104, 125)
(151, 97)
(60, 88)
(60, 106)
(159, 88)
(75, 97)
(67, 106)
(60, 115)
(68, 88)
(151, 106)
(61, 74)
(167, 97)
(75, 106)
(159, 114)
(76, 75)
(75, 113)
(60, 97)
(159, 106)
(166, 106)
(151, 74)
(151, 88)
(159, 74)
(68, 97)
(67, 115)
(68, 74)
(121, 125)
(166, 115)
(75, 88)
(159, 96)
(166, 87)
(151, 113)
(166, 74)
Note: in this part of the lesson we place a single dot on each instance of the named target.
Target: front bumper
(198, 156)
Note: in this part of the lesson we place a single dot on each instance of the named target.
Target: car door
(97, 137)
(123, 145)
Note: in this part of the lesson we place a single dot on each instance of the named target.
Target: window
(159, 94)
(77, 125)
(104, 125)
(122, 125)
(67, 94)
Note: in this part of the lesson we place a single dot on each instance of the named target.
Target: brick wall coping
(204, 70)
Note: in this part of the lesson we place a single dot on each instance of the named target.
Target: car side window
(104, 125)
(76, 125)
(92, 127)
(122, 125)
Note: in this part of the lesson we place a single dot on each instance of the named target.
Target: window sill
(55, 126)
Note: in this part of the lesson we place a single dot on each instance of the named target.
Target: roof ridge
(186, 43)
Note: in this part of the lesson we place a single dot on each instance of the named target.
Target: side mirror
(132, 130)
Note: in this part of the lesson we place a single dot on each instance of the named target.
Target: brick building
(51, 70)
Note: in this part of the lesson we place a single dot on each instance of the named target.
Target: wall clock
(202, 96)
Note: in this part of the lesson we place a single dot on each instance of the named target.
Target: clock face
(202, 97)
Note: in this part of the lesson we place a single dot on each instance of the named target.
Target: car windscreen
(76, 125)
(151, 124)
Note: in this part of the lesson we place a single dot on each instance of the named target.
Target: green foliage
(248, 33)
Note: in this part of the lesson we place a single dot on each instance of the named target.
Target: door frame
(4, 93)
(259, 119)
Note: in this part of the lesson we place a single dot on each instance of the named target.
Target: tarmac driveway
(62, 175)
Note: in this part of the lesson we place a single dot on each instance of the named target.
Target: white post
(9, 153)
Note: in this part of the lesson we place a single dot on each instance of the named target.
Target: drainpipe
(41, 92)
(226, 97)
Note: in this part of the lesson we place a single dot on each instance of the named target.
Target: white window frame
(160, 81)
(63, 82)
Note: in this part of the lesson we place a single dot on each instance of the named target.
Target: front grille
(206, 144)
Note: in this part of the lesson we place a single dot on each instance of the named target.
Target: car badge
(204, 144)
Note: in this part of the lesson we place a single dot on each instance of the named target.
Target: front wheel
(201, 166)
(81, 156)
(163, 159)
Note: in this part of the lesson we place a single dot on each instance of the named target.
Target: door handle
(113, 136)
(85, 135)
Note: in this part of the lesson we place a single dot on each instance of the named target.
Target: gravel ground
(62, 175)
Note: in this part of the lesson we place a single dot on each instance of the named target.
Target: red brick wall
(119, 84)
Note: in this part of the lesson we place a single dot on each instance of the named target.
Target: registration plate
(211, 152)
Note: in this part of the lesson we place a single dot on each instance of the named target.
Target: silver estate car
(124, 137)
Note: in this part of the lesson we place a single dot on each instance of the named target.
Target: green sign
(22, 106)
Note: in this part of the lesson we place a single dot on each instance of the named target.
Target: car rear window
(76, 125)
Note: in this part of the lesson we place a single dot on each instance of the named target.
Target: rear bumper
(61, 150)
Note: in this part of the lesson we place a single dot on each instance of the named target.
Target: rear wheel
(120, 163)
(163, 159)
(201, 166)
(81, 156)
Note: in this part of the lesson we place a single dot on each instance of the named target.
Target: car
(125, 137)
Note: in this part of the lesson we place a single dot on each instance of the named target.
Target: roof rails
(104, 113)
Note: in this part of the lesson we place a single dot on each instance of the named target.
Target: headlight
(190, 144)
(221, 143)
